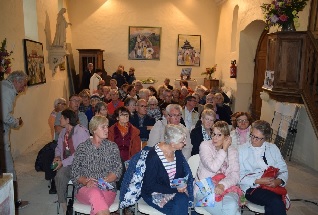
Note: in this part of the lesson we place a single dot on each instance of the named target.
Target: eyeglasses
(256, 138)
(124, 114)
(176, 115)
(152, 104)
(216, 135)
(61, 103)
(142, 106)
(241, 120)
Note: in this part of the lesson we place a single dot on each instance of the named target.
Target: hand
(182, 190)
(219, 189)
(227, 142)
(265, 181)
(275, 183)
(91, 182)
(59, 165)
(20, 121)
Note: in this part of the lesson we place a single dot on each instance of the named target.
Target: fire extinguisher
(233, 69)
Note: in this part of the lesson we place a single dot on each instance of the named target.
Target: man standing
(142, 121)
(15, 83)
(87, 74)
(171, 116)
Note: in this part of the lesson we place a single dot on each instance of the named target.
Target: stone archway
(248, 43)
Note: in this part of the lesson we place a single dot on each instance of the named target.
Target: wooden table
(211, 83)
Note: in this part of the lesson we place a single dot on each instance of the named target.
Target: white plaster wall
(104, 25)
(36, 104)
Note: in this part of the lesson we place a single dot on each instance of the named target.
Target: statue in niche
(60, 33)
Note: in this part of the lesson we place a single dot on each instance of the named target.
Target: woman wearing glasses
(124, 134)
(241, 134)
(254, 158)
(219, 159)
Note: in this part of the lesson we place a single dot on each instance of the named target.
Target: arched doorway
(248, 43)
(259, 75)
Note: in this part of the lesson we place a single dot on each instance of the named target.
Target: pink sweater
(211, 162)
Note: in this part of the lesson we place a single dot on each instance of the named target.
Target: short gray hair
(59, 100)
(143, 92)
(264, 127)
(96, 121)
(17, 76)
(152, 99)
(174, 134)
(173, 106)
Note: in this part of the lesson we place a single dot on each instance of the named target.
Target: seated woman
(91, 111)
(163, 164)
(224, 111)
(59, 105)
(96, 158)
(130, 104)
(69, 139)
(254, 158)
(101, 110)
(241, 134)
(124, 134)
(217, 156)
(153, 110)
(203, 132)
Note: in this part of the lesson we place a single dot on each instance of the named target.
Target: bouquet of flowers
(209, 71)
(282, 12)
(5, 59)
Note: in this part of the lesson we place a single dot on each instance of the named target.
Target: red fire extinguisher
(233, 69)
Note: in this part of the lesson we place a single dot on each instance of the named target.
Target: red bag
(273, 172)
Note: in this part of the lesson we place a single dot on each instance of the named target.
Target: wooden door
(259, 75)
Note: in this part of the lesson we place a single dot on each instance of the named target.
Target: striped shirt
(169, 166)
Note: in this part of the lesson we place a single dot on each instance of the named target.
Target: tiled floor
(302, 184)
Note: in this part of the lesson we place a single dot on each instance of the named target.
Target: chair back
(194, 161)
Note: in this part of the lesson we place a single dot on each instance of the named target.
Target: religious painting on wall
(189, 50)
(34, 62)
(144, 43)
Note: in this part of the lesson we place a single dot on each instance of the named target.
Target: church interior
(229, 30)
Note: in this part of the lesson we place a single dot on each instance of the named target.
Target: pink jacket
(211, 162)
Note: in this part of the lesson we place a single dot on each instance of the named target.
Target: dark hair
(130, 88)
(98, 71)
(99, 105)
(151, 88)
(122, 109)
(73, 95)
(128, 100)
(185, 83)
(188, 98)
(123, 86)
(263, 127)
(71, 116)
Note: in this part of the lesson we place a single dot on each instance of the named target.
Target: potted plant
(283, 13)
(209, 71)
(5, 60)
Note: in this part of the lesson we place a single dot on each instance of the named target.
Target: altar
(7, 194)
(192, 83)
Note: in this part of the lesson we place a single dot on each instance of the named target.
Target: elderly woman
(59, 105)
(96, 158)
(101, 110)
(219, 158)
(254, 158)
(164, 163)
(130, 104)
(69, 139)
(124, 134)
(203, 132)
(241, 134)
(153, 110)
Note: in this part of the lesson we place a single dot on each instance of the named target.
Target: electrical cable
(304, 200)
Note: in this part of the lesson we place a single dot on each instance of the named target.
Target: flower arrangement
(149, 81)
(209, 71)
(282, 12)
(5, 59)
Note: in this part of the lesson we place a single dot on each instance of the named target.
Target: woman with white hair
(153, 110)
(59, 105)
(165, 162)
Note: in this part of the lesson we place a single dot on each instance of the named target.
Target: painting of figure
(189, 50)
(144, 43)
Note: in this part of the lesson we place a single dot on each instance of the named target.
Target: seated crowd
(103, 128)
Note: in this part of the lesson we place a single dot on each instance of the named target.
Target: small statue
(60, 33)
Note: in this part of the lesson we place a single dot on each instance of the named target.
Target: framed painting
(189, 50)
(34, 62)
(144, 43)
